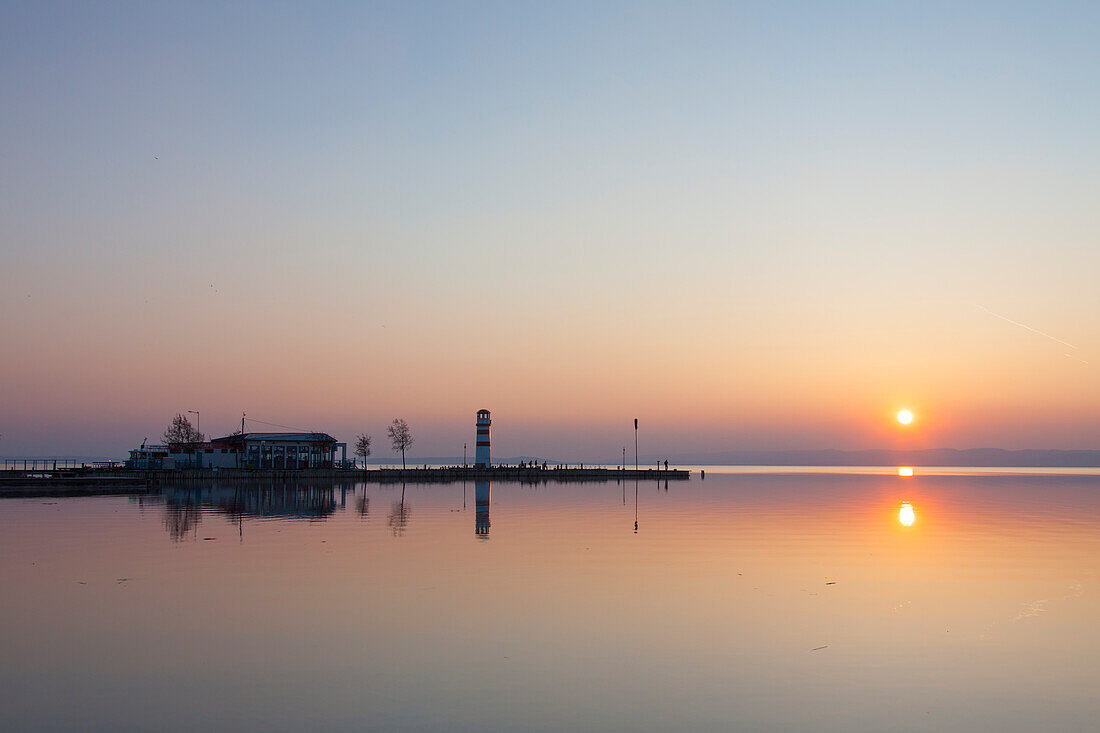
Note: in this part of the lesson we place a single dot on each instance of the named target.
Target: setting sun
(905, 417)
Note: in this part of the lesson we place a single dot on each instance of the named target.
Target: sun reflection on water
(905, 471)
(906, 515)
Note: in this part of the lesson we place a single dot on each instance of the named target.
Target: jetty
(72, 482)
(450, 474)
(89, 480)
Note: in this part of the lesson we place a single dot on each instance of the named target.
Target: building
(283, 450)
(245, 450)
(199, 455)
(481, 454)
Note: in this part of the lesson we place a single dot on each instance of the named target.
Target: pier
(523, 475)
(72, 482)
(87, 480)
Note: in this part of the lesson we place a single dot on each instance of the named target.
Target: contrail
(1029, 328)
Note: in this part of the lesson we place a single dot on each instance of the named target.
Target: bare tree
(362, 447)
(182, 434)
(400, 437)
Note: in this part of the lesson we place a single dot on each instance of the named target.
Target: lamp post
(635, 444)
(198, 430)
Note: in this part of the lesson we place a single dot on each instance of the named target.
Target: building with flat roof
(283, 450)
(245, 450)
(197, 455)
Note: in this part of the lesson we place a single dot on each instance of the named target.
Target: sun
(905, 417)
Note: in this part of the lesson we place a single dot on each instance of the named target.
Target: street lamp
(635, 444)
(198, 421)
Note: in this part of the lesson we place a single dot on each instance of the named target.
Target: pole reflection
(635, 506)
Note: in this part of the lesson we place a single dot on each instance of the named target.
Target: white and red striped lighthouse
(481, 455)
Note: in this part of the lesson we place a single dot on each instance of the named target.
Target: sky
(749, 225)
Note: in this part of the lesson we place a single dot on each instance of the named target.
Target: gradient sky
(751, 226)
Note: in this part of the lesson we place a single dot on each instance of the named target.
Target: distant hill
(931, 457)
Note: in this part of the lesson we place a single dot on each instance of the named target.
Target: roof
(279, 438)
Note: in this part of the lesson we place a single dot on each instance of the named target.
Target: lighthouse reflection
(481, 509)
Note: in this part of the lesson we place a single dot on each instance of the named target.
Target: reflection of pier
(482, 491)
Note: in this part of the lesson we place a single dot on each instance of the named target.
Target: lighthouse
(481, 455)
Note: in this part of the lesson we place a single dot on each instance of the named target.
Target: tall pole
(624, 457)
(635, 444)
(198, 420)
(464, 464)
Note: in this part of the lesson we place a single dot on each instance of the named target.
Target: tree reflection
(180, 519)
(399, 515)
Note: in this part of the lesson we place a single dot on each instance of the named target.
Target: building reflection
(289, 500)
(482, 492)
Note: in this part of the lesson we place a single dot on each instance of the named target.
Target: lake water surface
(772, 600)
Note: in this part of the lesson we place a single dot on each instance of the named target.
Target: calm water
(750, 601)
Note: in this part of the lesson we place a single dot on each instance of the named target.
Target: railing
(54, 464)
(42, 464)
